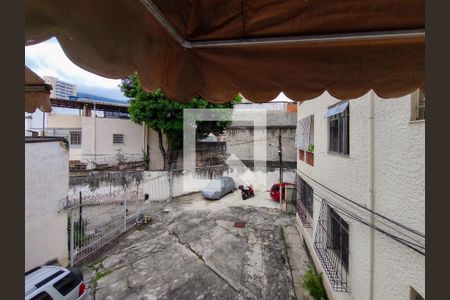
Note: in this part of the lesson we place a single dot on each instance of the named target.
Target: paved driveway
(192, 250)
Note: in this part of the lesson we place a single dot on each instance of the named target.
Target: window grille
(117, 138)
(304, 201)
(75, 137)
(331, 245)
(338, 131)
(305, 133)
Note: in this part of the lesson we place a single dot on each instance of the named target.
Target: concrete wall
(100, 183)
(63, 121)
(46, 190)
(240, 143)
(399, 191)
(186, 182)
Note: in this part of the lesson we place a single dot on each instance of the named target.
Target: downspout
(372, 193)
(94, 135)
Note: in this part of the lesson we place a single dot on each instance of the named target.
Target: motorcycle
(246, 192)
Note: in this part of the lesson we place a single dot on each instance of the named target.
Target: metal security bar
(331, 245)
(96, 220)
(304, 201)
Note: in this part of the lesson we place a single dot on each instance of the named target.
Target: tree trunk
(161, 148)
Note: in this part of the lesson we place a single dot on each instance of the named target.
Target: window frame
(332, 246)
(339, 226)
(67, 284)
(304, 201)
(116, 135)
(343, 119)
(75, 132)
(418, 105)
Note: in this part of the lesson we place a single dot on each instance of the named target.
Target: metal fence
(96, 220)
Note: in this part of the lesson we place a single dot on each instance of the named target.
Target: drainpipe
(372, 193)
(95, 130)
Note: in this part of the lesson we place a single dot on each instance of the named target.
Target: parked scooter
(246, 192)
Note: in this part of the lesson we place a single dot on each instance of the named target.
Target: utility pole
(280, 155)
(80, 220)
(43, 123)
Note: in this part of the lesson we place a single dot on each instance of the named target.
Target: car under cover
(216, 189)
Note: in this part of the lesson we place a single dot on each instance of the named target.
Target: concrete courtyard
(192, 250)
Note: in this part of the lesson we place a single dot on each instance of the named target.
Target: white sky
(48, 59)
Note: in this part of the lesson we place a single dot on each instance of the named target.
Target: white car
(54, 282)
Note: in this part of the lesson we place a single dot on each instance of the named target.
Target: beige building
(361, 194)
(105, 140)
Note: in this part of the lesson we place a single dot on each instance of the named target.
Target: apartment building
(60, 89)
(361, 194)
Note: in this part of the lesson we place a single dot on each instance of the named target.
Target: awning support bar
(357, 36)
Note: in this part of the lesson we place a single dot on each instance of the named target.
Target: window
(42, 296)
(305, 134)
(304, 201)
(66, 284)
(331, 244)
(338, 128)
(75, 137)
(418, 106)
(117, 138)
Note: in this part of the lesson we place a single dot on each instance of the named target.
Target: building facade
(102, 140)
(60, 89)
(361, 194)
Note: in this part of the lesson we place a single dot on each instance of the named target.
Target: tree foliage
(157, 112)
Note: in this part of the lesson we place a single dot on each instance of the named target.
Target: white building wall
(46, 189)
(399, 177)
(104, 149)
(400, 195)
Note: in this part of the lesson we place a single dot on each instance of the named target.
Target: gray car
(219, 188)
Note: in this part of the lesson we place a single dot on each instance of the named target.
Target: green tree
(164, 116)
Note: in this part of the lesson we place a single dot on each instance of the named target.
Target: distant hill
(100, 98)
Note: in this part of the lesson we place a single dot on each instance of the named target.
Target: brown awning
(37, 93)
(218, 48)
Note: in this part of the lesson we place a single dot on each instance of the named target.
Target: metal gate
(96, 220)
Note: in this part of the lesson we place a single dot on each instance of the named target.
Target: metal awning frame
(323, 38)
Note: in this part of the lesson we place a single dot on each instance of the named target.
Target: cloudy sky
(48, 59)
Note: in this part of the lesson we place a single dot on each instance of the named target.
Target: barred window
(304, 202)
(75, 137)
(331, 244)
(117, 138)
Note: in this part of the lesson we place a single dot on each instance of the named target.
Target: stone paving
(192, 250)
